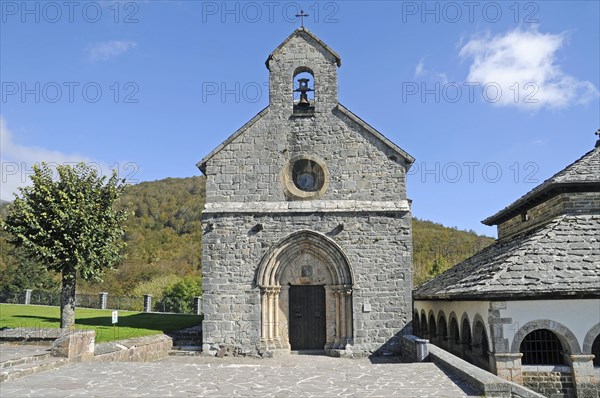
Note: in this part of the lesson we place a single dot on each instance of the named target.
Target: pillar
(422, 349)
(263, 313)
(584, 377)
(338, 333)
(27, 296)
(276, 291)
(197, 305)
(270, 312)
(508, 366)
(348, 294)
(147, 303)
(342, 318)
(103, 299)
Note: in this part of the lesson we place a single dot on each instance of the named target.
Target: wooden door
(307, 317)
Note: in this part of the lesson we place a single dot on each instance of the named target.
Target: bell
(303, 100)
(303, 89)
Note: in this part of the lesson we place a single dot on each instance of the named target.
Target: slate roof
(559, 259)
(583, 174)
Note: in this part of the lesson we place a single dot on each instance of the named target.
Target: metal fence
(105, 301)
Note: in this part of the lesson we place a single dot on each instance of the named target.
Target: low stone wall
(414, 349)
(555, 383)
(483, 382)
(76, 345)
(139, 349)
(487, 383)
(31, 335)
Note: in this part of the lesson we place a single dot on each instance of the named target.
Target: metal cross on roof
(302, 15)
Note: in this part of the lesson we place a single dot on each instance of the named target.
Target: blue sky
(491, 98)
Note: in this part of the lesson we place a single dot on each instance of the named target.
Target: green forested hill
(164, 235)
(437, 248)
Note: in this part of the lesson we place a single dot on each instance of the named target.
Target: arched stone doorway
(312, 260)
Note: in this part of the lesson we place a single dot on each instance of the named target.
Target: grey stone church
(307, 238)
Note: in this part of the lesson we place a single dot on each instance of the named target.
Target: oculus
(305, 177)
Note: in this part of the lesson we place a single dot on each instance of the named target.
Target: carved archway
(305, 258)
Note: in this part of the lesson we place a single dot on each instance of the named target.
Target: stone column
(147, 303)
(103, 300)
(198, 305)
(263, 313)
(348, 294)
(284, 323)
(276, 334)
(270, 298)
(584, 377)
(27, 296)
(342, 319)
(508, 366)
(338, 334)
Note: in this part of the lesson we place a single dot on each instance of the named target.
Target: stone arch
(480, 336)
(305, 72)
(590, 336)
(305, 258)
(465, 331)
(424, 324)
(416, 324)
(442, 326)
(453, 329)
(432, 325)
(274, 261)
(564, 334)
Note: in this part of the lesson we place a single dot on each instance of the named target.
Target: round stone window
(305, 177)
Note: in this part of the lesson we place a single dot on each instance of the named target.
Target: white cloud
(109, 49)
(523, 64)
(18, 160)
(420, 68)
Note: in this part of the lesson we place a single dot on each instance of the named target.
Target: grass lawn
(131, 324)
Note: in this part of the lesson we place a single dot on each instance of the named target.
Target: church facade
(307, 239)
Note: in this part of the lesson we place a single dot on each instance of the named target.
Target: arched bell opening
(306, 290)
(303, 89)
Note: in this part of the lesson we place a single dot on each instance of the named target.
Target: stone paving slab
(298, 376)
(16, 351)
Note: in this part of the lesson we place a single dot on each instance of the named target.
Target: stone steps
(186, 353)
(28, 366)
(23, 361)
(187, 342)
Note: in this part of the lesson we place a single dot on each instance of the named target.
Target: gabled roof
(395, 148)
(300, 32)
(345, 111)
(560, 259)
(202, 164)
(581, 175)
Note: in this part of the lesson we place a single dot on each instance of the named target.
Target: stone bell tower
(307, 238)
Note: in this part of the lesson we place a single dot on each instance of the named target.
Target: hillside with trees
(163, 235)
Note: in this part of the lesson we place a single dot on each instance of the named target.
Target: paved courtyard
(294, 375)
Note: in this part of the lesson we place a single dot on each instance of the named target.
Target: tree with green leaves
(438, 266)
(70, 224)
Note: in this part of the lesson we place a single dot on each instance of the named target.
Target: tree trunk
(67, 300)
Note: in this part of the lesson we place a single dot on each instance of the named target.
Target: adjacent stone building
(307, 229)
(527, 308)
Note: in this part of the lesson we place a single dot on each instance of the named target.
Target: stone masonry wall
(378, 247)
(365, 194)
(249, 168)
(554, 384)
(565, 203)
